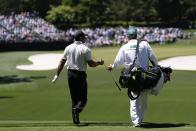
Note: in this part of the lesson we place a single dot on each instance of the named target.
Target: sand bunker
(180, 63)
(42, 62)
(50, 62)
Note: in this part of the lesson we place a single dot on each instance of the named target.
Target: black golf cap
(79, 35)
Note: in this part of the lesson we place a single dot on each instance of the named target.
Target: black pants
(78, 89)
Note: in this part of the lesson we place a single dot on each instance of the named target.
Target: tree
(62, 16)
(132, 10)
(173, 12)
(149, 12)
(191, 12)
(95, 11)
(8, 6)
(170, 10)
(71, 2)
(120, 12)
(40, 6)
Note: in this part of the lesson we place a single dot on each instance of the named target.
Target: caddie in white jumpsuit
(126, 56)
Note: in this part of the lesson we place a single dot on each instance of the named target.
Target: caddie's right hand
(109, 67)
(55, 78)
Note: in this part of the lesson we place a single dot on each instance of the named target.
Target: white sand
(180, 62)
(50, 62)
(42, 62)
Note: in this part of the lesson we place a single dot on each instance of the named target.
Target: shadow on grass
(103, 124)
(84, 124)
(162, 125)
(6, 97)
(144, 125)
(9, 79)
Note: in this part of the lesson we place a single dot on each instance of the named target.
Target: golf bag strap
(137, 50)
(153, 64)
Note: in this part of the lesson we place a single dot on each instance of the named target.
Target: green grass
(28, 100)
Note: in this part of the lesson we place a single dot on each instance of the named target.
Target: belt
(76, 71)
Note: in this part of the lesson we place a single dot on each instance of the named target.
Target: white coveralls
(126, 56)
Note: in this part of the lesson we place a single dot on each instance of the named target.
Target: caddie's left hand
(55, 78)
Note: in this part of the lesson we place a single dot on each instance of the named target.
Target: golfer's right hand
(101, 62)
(55, 78)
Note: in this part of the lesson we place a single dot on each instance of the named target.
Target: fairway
(29, 101)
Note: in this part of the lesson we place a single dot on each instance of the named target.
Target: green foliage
(121, 11)
(8, 6)
(26, 5)
(96, 9)
(66, 2)
(17, 6)
(98, 12)
(88, 11)
(61, 14)
(70, 2)
(172, 10)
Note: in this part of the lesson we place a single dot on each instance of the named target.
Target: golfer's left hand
(55, 78)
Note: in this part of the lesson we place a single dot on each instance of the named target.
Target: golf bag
(139, 80)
